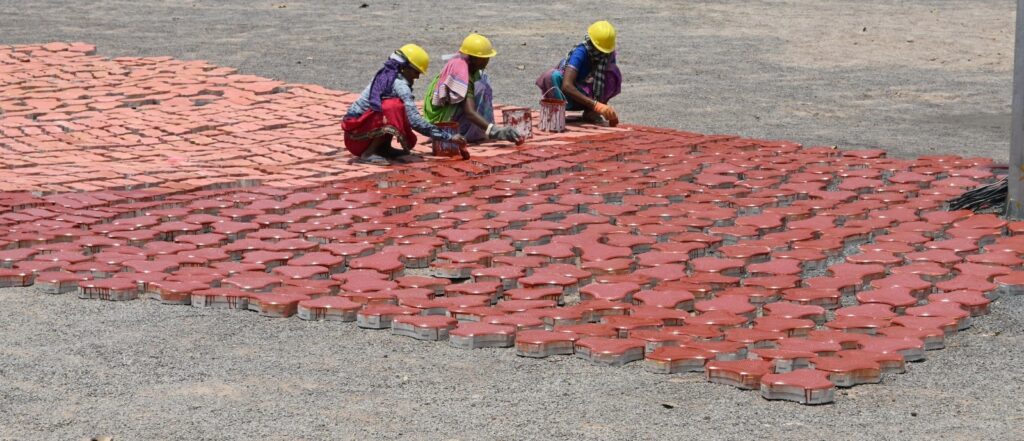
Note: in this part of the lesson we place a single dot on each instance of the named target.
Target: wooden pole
(1015, 202)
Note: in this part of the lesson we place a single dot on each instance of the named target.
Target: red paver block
(804, 386)
(665, 298)
(482, 335)
(610, 351)
(230, 298)
(743, 374)
(849, 371)
(673, 360)
(430, 328)
(330, 308)
(911, 349)
(174, 293)
(540, 343)
(947, 310)
(109, 289)
(784, 360)
(59, 282)
(276, 305)
(889, 363)
(380, 316)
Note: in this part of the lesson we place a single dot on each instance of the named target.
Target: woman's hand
(608, 112)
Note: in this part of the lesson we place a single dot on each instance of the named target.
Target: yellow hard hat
(417, 57)
(477, 45)
(602, 34)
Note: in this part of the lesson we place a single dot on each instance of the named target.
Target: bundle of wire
(987, 196)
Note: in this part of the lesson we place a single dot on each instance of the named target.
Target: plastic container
(447, 148)
(519, 118)
(552, 115)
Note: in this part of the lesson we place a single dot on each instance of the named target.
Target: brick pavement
(761, 264)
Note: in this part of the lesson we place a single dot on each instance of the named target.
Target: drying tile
(784, 360)
(59, 282)
(423, 327)
(514, 306)
(553, 293)
(432, 283)
(973, 301)
(520, 322)
(589, 330)
(725, 267)
(380, 316)
(383, 297)
(822, 345)
(619, 292)
(482, 335)
(967, 282)
(790, 327)
(738, 305)
(720, 318)
(230, 298)
(753, 338)
(674, 360)
(949, 310)
(107, 289)
(743, 374)
(275, 305)
(930, 271)
(857, 324)
(508, 276)
(539, 344)
(987, 272)
(665, 298)
(804, 386)
(174, 293)
(863, 272)
(331, 308)
(795, 311)
(723, 350)
(897, 298)
(933, 338)
(845, 285)
(911, 349)
(888, 363)
(624, 325)
(610, 351)
(849, 371)
(949, 325)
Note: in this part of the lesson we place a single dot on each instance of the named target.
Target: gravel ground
(915, 77)
(141, 370)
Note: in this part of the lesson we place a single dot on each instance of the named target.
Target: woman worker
(588, 77)
(461, 93)
(387, 109)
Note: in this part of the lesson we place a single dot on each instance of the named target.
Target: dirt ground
(914, 77)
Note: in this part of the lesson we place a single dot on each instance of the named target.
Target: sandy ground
(915, 77)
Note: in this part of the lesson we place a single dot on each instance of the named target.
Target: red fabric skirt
(390, 122)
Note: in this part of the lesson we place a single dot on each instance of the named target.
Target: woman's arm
(569, 89)
(469, 107)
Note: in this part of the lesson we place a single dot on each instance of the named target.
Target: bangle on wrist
(487, 133)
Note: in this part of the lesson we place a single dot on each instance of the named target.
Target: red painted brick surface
(192, 184)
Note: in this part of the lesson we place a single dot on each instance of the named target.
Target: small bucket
(552, 115)
(520, 118)
(446, 148)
